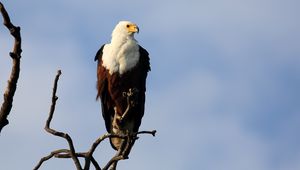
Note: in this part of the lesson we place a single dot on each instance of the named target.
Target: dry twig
(14, 76)
(88, 156)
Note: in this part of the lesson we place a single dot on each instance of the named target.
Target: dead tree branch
(88, 156)
(14, 76)
(71, 151)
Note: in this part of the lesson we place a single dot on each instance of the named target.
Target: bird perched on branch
(122, 70)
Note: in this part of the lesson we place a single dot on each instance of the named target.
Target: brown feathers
(111, 90)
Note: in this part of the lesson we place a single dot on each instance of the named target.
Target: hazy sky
(223, 92)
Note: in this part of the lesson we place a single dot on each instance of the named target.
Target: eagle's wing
(102, 87)
(145, 63)
(143, 69)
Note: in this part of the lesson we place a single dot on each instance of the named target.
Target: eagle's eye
(127, 26)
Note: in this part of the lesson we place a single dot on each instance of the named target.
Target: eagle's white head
(122, 53)
(124, 30)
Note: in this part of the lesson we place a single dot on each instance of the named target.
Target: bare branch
(83, 155)
(57, 133)
(153, 132)
(94, 146)
(14, 76)
(122, 153)
(131, 101)
(112, 163)
(46, 158)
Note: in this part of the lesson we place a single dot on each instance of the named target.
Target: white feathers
(122, 54)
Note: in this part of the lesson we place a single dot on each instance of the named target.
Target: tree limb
(71, 153)
(57, 133)
(14, 76)
(46, 158)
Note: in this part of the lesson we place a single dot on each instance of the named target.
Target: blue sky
(223, 92)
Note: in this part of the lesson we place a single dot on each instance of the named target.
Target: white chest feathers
(120, 57)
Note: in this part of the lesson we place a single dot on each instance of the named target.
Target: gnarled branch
(88, 156)
(57, 133)
(14, 76)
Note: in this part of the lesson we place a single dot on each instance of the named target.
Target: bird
(122, 71)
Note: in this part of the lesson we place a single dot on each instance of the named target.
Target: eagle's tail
(123, 145)
(114, 144)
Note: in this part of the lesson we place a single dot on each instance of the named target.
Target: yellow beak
(133, 28)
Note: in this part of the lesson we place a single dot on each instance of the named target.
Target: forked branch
(14, 75)
(88, 156)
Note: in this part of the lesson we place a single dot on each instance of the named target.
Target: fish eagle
(122, 70)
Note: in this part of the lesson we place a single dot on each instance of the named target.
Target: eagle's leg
(132, 100)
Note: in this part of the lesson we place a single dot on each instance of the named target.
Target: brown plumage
(111, 88)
